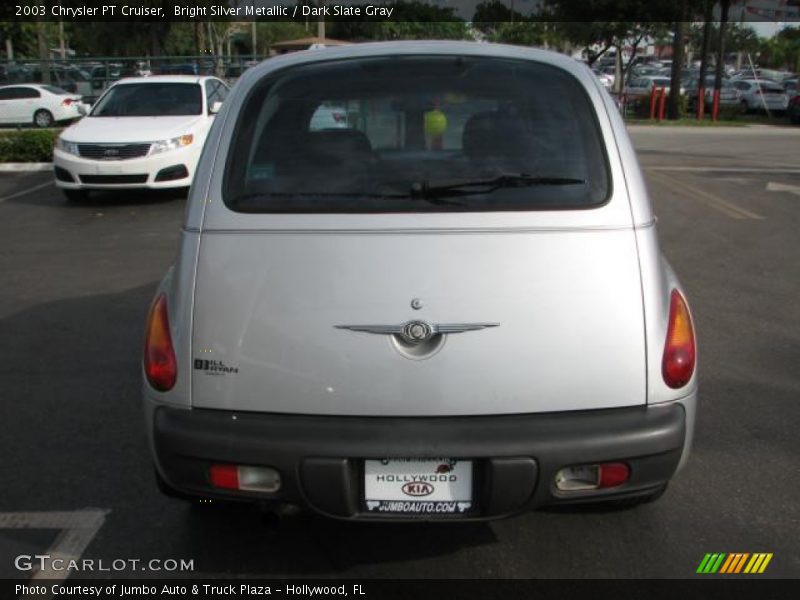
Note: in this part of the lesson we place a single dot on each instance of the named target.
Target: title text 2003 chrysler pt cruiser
(447, 303)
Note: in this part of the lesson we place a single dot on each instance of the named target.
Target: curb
(24, 167)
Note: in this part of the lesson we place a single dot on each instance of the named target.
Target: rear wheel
(76, 195)
(43, 118)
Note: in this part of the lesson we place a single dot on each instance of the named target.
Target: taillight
(613, 474)
(339, 117)
(679, 349)
(67, 102)
(224, 476)
(245, 478)
(160, 365)
(579, 478)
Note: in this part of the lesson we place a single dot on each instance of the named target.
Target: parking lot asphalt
(77, 281)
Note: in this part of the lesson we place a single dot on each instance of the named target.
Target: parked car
(328, 116)
(794, 110)
(791, 87)
(729, 95)
(645, 70)
(141, 133)
(71, 79)
(607, 76)
(759, 95)
(643, 86)
(649, 61)
(607, 81)
(15, 73)
(180, 69)
(455, 307)
(101, 76)
(40, 105)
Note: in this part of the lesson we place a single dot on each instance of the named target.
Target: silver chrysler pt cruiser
(419, 281)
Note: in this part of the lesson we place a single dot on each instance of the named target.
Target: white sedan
(141, 133)
(41, 105)
(762, 95)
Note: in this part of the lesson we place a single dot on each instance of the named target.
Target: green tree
(22, 35)
(492, 15)
(790, 36)
(521, 33)
(278, 31)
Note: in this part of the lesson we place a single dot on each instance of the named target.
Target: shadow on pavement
(240, 539)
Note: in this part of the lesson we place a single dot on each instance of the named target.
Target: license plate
(418, 486)
(105, 169)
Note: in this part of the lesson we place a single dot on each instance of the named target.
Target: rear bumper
(516, 456)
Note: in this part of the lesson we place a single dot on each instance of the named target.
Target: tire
(43, 118)
(76, 196)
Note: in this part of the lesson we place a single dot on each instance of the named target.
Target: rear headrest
(497, 135)
(341, 145)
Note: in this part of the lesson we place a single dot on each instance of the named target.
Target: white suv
(454, 307)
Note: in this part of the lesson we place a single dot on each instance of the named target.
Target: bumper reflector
(63, 175)
(592, 477)
(172, 173)
(245, 478)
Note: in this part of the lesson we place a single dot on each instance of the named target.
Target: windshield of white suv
(150, 100)
(414, 134)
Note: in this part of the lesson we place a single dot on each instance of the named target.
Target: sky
(770, 29)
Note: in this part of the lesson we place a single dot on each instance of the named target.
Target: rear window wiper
(457, 187)
(249, 198)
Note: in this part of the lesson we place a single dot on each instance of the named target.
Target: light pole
(61, 45)
(253, 31)
(321, 23)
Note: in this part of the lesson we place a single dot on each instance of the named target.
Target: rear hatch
(324, 253)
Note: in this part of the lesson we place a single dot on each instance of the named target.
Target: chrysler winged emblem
(418, 332)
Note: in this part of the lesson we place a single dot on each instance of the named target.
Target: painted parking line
(726, 207)
(774, 186)
(78, 528)
(27, 191)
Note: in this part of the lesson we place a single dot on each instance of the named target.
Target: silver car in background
(454, 307)
(762, 95)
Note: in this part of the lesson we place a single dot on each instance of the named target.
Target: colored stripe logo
(734, 563)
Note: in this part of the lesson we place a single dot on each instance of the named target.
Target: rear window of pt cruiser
(416, 134)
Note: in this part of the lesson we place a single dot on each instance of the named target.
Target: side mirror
(214, 108)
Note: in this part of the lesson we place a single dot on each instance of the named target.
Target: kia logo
(417, 488)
